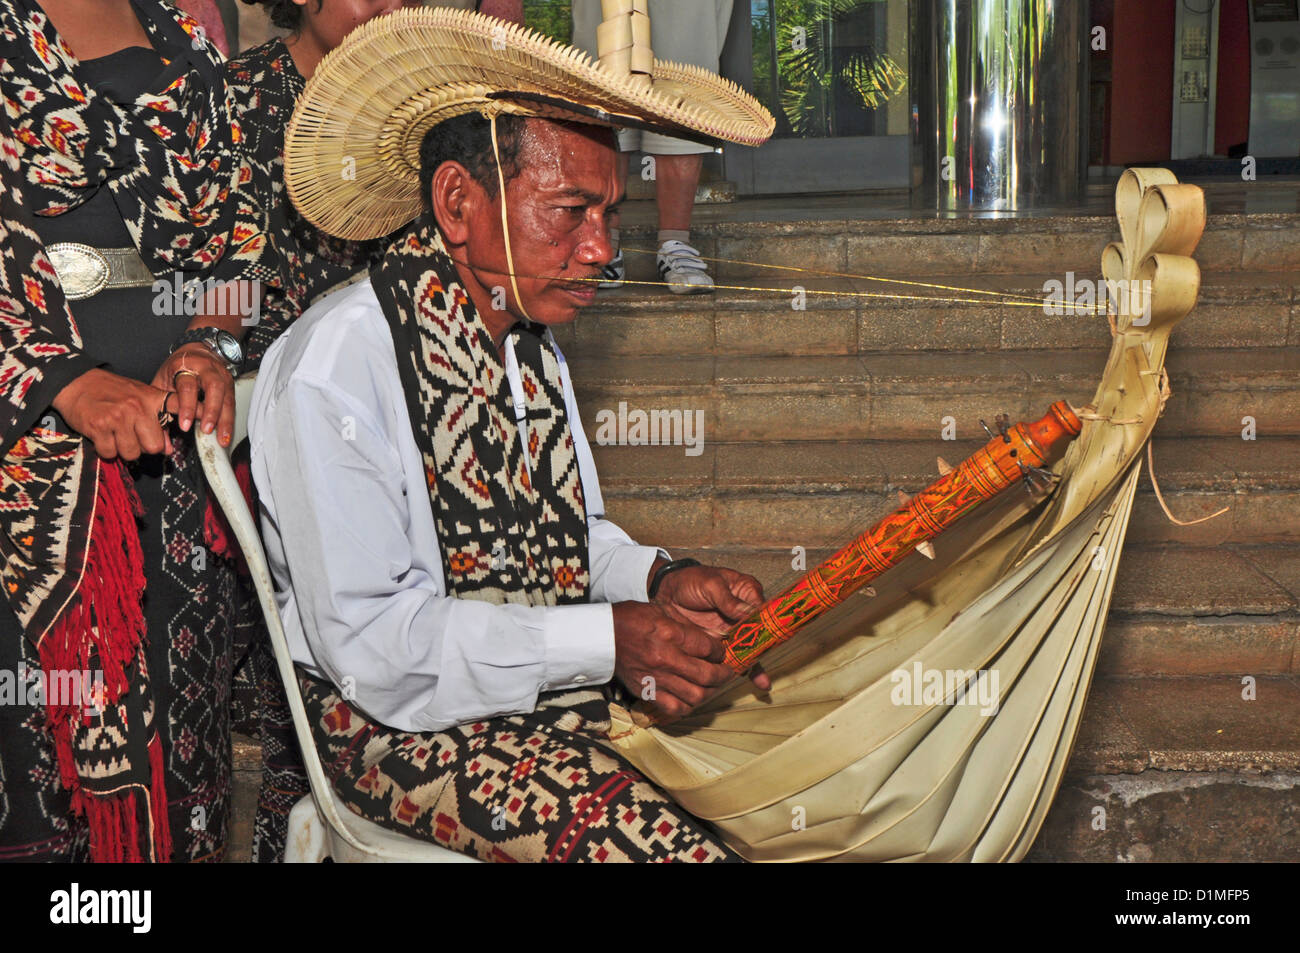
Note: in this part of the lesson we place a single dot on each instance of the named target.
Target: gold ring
(185, 370)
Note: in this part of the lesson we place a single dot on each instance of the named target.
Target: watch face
(229, 348)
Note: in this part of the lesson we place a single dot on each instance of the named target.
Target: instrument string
(1008, 296)
(813, 292)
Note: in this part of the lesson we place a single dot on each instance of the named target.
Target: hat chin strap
(505, 222)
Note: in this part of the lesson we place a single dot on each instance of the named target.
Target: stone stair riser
(857, 249)
(607, 332)
(830, 411)
(780, 522)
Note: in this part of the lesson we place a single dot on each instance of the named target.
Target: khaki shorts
(682, 31)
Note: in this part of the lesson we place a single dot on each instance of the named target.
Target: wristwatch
(223, 344)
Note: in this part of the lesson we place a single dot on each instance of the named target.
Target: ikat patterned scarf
(512, 523)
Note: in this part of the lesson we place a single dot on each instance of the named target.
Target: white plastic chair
(320, 825)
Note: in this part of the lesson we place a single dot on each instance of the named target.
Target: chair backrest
(215, 460)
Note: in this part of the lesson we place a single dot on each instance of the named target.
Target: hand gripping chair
(320, 825)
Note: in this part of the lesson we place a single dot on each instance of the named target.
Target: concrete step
(968, 245)
(820, 494)
(1209, 723)
(909, 395)
(841, 316)
(1181, 769)
(1175, 611)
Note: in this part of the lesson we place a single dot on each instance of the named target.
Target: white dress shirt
(353, 549)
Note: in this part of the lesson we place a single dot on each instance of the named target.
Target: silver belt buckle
(82, 270)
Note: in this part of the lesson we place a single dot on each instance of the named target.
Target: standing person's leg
(677, 177)
(533, 788)
(684, 31)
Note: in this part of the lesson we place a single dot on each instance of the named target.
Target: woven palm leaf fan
(848, 758)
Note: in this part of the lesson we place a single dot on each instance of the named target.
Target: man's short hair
(467, 139)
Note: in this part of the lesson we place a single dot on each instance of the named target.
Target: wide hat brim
(352, 150)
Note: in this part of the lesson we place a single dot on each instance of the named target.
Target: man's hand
(671, 664)
(118, 415)
(713, 598)
(203, 387)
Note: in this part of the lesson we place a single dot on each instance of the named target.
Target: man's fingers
(762, 681)
(734, 607)
(750, 590)
(694, 641)
(674, 696)
(706, 675)
(744, 587)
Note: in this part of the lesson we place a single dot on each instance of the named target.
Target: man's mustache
(558, 277)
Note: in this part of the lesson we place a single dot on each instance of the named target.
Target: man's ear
(456, 199)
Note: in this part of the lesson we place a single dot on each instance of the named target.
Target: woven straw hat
(352, 151)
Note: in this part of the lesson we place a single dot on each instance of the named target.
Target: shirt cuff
(579, 646)
(627, 576)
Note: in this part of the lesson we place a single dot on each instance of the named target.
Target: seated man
(434, 523)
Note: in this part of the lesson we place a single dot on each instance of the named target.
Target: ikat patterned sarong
(536, 788)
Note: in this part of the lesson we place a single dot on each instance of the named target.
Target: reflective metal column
(999, 103)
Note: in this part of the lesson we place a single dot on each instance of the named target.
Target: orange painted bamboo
(983, 475)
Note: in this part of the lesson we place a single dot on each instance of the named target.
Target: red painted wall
(1142, 83)
(1142, 80)
(1232, 110)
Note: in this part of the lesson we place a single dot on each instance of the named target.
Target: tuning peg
(1032, 474)
(1003, 422)
(926, 549)
(903, 498)
(944, 467)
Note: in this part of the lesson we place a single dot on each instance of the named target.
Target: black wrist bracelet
(664, 570)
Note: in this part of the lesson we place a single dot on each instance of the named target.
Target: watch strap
(209, 337)
(664, 570)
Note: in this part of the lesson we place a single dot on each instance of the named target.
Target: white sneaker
(681, 269)
(614, 274)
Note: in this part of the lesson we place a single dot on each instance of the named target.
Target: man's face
(560, 208)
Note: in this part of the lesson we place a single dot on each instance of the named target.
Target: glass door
(834, 73)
